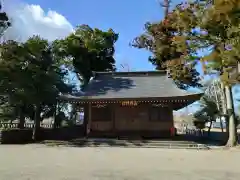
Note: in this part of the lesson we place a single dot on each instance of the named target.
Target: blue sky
(126, 17)
(52, 19)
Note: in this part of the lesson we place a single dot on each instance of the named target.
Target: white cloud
(30, 19)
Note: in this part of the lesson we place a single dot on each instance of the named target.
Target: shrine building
(127, 104)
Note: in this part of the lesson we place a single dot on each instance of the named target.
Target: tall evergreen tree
(88, 50)
(6, 111)
(32, 77)
(215, 27)
(170, 49)
(194, 26)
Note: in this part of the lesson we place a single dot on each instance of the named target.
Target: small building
(131, 104)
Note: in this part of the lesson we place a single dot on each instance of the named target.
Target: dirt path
(38, 162)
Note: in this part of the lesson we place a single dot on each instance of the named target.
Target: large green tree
(11, 77)
(87, 50)
(216, 28)
(170, 49)
(32, 76)
(5, 110)
(193, 26)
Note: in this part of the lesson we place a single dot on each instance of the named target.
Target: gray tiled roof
(109, 85)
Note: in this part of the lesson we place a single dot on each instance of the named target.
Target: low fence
(5, 125)
(10, 134)
(197, 134)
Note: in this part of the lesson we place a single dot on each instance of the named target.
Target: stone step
(121, 143)
(134, 141)
(166, 146)
(174, 146)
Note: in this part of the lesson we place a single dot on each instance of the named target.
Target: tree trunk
(209, 128)
(224, 107)
(85, 121)
(166, 6)
(21, 119)
(232, 138)
(55, 116)
(73, 113)
(37, 120)
(221, 124)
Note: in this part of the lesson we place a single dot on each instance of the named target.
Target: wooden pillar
(113, 106)
(89, 118)
(171, 117)
(85, 122)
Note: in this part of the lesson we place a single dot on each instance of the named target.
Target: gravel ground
(38, 162)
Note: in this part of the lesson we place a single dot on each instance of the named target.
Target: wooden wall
(116, 118)
(142, 118)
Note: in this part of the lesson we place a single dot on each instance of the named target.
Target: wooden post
(89, 118)
(113, 106)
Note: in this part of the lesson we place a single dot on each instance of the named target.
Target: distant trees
(208, 111)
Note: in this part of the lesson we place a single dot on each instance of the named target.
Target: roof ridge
(132, 73)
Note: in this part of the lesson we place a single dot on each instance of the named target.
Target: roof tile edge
(132, 73)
